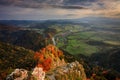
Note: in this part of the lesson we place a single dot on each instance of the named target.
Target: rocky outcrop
(70, 71)
(22, 74)
(18, 74)
(38, 73)
(50, 66)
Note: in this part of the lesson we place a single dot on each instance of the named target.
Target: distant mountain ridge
(25, 23)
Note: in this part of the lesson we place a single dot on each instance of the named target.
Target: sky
(57, 9)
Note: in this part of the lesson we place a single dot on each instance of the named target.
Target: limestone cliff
(50, 66)
(70, 71)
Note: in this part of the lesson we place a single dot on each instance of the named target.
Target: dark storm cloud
(77, 1)
(67, 4)
(68, 7)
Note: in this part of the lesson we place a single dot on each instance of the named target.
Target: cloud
(107, 8)
(39, 4)
(69, 7)
(58, 9)
(12, 12)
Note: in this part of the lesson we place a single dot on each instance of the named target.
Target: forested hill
(12, 57)
(21, 37)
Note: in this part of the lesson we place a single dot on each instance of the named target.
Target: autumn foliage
(45, 56)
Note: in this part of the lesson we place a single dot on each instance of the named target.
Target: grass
(76, 44)
(77, 41)
(80, 47)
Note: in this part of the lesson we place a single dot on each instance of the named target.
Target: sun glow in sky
(57, 9)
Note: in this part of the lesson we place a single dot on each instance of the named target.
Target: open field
(86, 41)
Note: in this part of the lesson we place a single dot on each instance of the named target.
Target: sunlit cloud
(107, 8)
